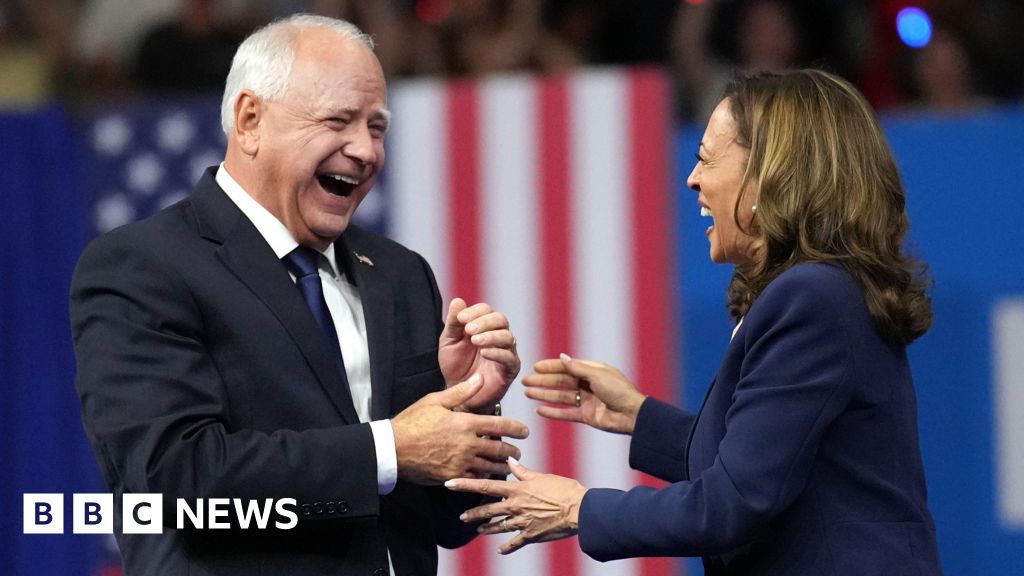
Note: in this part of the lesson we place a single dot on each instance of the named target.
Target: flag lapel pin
(363, 259)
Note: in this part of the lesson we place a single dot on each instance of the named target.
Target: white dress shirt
(347, 311)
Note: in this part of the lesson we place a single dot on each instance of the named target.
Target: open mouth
(705, 212)
(338, 184)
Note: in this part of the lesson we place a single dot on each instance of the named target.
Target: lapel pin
(363, 259)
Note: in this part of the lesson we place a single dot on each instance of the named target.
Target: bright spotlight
(914, 27)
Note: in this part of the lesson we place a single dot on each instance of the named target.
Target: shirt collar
(736, 329)
(273, 230)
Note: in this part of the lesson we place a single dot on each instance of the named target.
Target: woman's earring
(753, 208)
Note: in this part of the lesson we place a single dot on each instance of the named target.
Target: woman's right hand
(584, 391)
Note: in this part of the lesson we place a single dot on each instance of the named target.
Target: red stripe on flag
(464, 236)
(464, 200)
(556, 273)
(652, 302)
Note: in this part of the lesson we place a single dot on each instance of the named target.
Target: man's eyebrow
(385, 114)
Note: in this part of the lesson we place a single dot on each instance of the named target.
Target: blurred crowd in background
(962, 55)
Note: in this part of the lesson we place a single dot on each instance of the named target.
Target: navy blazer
(202, 374)
(803, 459)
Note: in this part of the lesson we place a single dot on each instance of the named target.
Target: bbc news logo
(143, 513)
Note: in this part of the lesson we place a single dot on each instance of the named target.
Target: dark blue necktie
(302, 262)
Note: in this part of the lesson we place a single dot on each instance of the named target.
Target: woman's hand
(541, 507)
(584, 391)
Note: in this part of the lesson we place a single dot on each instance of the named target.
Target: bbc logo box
(43, 514)
(92, 513)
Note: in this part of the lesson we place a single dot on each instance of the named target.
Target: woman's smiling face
(717, 178)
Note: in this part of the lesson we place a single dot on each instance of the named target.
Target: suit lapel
(690, 462)
(250, 258)
(377, 296)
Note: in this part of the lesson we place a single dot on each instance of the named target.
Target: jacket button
(330, 508)
(318, 508)
(307, 510)
(342, 506)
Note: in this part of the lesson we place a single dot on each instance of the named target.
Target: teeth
(705, 211)
(345, 179)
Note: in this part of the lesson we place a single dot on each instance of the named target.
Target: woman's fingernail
(450, 484)
(512, 460)
(564, 357)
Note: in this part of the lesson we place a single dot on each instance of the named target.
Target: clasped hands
(447, 435)
(543, 507)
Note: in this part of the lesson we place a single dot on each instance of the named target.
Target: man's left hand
(477, 340)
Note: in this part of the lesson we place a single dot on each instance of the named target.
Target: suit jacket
(202, 374)
(803, 459)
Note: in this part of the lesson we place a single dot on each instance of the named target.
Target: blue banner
(43, 227)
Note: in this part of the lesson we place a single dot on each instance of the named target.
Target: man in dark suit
(249, 343)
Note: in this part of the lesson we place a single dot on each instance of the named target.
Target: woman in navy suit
(804, 457)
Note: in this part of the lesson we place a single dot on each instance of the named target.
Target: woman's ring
(504, 524)
(578, 398)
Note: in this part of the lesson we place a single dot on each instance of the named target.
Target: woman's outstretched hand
(584, 391)
(540, 507)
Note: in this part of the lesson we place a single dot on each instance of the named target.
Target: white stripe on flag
(417, 175)
(1008, 396)
(509, 206)
(602, 216)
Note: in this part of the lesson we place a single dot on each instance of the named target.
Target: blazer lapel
(249, 257)
(377, 296)
(690, 463)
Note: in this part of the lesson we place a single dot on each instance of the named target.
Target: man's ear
(248, 114)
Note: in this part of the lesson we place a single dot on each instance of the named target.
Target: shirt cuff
(387, 459)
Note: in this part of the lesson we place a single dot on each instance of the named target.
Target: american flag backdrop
(548, 197)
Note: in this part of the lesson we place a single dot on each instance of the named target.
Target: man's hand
(477, 340)
(433, 443)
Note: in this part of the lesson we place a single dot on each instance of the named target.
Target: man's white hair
(263, 62)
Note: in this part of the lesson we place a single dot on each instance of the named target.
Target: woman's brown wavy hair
(827, 189)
